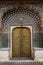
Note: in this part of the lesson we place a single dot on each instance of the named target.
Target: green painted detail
(3, 40)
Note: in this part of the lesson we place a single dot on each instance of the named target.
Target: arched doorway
(21, 42)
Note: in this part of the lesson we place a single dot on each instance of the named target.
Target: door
(21, 42)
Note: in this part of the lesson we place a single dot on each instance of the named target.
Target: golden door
(21, 42)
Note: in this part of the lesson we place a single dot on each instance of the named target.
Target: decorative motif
(21, 22)
(11, 17)
(29, 16)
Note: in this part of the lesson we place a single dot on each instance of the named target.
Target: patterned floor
(21, 63)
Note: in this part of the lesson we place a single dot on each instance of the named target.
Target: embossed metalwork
(21, 42)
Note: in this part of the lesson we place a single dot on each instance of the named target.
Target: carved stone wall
(30, 14)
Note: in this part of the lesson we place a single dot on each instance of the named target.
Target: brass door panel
(26, 42)
(21, 42)
(15, 43)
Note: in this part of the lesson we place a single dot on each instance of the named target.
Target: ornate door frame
(11, 28)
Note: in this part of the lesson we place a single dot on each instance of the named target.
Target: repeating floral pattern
(30, 14)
